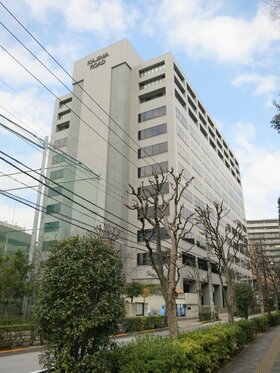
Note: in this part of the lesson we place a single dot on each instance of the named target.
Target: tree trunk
(171, 315)
(229, 296)
(276, 301)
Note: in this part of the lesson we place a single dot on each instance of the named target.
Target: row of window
(155, 168)
(52, 226)
(152, 82)
(152, 150)
(152, 131)
(57, 158)
(64, 115)
(152, 95)
(65, 103)
(57, 174)
(152, 69)
(154, 113)
(147, 190)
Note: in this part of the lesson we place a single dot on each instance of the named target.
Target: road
(27, 360)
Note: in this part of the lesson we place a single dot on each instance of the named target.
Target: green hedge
(203, 350)
(17, 335)
(136, 324)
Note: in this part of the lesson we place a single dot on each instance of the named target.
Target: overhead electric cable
(73, 79)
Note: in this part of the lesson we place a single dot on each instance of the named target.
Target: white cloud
(29, 108)
(263, 84)
(260, 176)
(202, 30)
(106, 17)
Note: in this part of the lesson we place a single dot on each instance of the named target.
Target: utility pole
(36, 222)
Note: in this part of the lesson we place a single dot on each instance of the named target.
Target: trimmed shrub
(150, 354)
(274, 318)
(136, 324)
(16, 335)
(205, 313)
(260, 324)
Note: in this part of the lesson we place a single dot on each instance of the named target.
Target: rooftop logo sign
(98, 61)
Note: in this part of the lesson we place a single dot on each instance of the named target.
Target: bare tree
(194, 275)
(273, 274)
(224, 242)
(252, 251)
(161, 215)
(108, 233)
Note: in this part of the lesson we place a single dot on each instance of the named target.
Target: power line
(75, 194)
(64, 155)
(73, 79)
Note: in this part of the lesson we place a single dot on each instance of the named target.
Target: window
(189, 237)
(57, 174)
(139, 309)
(48, 244)
(202, 264)
(188, 259)
(152, 150)
(152, 82)
(155, 168)
(64, 115)
(178, 84)
(178, 72)
(191, 91)
(152, 95)
(191, 114)
(55, 191)
(65, 104)
(181, 118)
(62, 126)
(143, 259)
(152, 69)
(151, 213)
(152, 131)
(179, 98)
(149, 189)
(54, 208)
(52, 226)
(57, 158)
(61, 142)
(149, 234)
(154, 113)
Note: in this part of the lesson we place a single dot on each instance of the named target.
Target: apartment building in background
(124, 119)
(13, 238)
(265, 234)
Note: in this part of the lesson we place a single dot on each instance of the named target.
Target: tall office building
(124, 119)
(266, 234)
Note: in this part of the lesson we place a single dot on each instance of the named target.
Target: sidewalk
(260, 356)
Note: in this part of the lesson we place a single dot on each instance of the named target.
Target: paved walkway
(260, 356)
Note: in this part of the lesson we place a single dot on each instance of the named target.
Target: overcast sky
(229, 49)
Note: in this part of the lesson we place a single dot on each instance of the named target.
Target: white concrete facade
(121, 109)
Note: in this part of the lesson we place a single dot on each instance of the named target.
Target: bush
(274, 318)
(79, 304)
(136, 324)
(150, 354)
(205, 313)
(200, 351)
(12, 336)
(260, 324)
(244, 298)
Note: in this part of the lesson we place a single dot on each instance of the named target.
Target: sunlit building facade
(125, 119)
